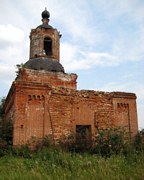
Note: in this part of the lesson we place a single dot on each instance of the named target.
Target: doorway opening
(83, 136)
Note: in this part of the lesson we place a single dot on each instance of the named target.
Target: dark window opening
(83, 135)
(48, 46)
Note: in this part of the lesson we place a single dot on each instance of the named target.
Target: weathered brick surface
(54, 79)
(37, 42)
(40, 109)
(125, 111)
(43, 103)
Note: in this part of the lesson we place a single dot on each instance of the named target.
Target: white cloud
(76, 58)
(12, 44)
(10, 34)
(11, 55)
(7, 75)
(101, 59)
(7, 71)
(12, 50)
(140, 109)
(126, 8)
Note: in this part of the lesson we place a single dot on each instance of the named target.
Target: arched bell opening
(48, 46)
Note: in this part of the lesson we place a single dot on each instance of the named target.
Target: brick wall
(125, 111)
(54, 79)
(37, 42)
(42, 107)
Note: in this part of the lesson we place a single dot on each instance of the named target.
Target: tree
(6, 129)
(2, 101)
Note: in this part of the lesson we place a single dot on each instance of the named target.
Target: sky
(102, 41)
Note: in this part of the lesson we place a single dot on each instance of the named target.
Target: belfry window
(48, 46)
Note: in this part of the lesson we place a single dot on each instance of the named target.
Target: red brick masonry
(43, 103)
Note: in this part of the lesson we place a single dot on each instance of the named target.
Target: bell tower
(45, 40)
(44, 101)
(32, 105)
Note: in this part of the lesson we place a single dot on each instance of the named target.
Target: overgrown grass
(53, 163)
(110, 157)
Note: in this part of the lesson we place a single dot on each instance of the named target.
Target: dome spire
(45, 16)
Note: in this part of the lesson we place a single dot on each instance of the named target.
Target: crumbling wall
(125, 112)
(37, 42)
(69, 108)
(54, 79)
(40, 109)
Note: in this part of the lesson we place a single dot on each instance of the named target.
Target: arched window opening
(48, 46)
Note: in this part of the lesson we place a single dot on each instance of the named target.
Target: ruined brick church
(44, 100)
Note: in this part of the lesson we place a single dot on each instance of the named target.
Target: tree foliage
(2, 101)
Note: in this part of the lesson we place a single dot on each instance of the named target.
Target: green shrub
(7, 132)
(139, 141)
(109, 141)
(6, 129)
(37, 144)
(21, 151)
(3, 148)
(67, 143)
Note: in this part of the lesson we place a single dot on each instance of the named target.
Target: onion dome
(45, 19)
(45, 14)
(44, 63)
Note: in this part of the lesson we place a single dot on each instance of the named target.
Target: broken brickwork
(39, 108)
(44, 100)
